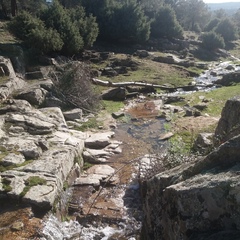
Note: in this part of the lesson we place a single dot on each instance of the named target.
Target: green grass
(3, 169)
(217, 99)
(32, 181)
(92, 123)
(112, 106)
(5, 36)
(6, 185)
(151, 72)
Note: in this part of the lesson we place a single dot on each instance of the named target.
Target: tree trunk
(4, 9)
(14, 7)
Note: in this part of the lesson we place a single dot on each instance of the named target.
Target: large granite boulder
(200, 199)
(229, 124)
(12, 82)
(229, 79)
(195, 199)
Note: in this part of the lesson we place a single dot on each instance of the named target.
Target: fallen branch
(124, 84)
(144, 84)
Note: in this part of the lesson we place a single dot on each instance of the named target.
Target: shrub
(227, 30)
(46, 40)
(56, 17)
(165, 24)
(87, 26)
(212, 41)
(22, 25)
(73, 81)
(57, 29)
(211, 25)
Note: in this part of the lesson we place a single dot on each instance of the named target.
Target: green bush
(212, 41)
(165, 24)
(46, 40)
(119, 20)
(87, 26)
(211, 25)
(57, 30)
(227, 29)
(58, 18)
(22, 25)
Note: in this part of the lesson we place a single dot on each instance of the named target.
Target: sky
(220, 1)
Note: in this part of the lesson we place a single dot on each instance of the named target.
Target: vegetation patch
(78, 160)
(216, 99)
(92, 123)
(86, 166)
(32, 181)
(6, 185)
(13, 166)
(112, 106)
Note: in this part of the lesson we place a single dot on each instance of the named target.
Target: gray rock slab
(95, 155)
(105, 170)
(13, 159)
(27, 147)
(99, 140)
(34, 96)
(73, 114)
(91, 179)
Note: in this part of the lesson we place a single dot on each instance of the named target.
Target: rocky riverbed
(41, 154)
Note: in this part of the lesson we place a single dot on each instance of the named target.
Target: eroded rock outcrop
(197, 200)
(229, 124)
(41, 151)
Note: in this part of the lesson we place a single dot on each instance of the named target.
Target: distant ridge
(227, 5)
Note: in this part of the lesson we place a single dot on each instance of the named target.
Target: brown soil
(19, 224)
(195, 124)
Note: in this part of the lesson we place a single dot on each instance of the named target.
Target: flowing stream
(114, 210)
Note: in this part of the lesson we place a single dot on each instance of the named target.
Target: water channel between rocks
(113, 211)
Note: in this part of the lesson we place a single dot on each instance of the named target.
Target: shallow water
(114, 211)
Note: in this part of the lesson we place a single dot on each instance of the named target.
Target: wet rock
(73, 114)
(95, 175)
(166, 136)
(99, 140)
(91, 179)
(230, 67)
(229, 79)
(95, 155)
